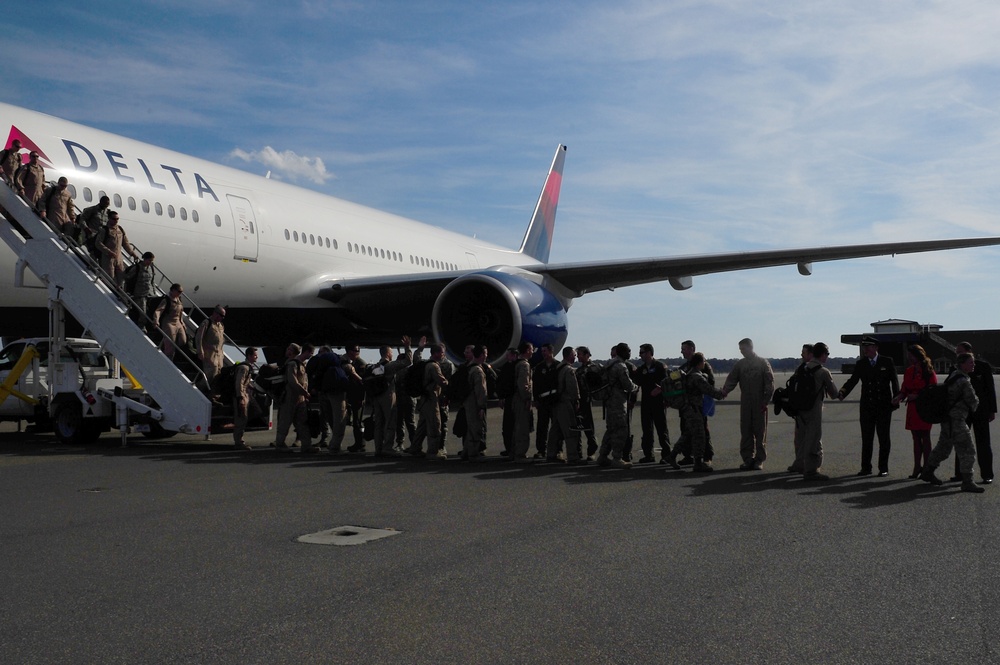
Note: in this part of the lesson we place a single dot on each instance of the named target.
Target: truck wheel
(67, 422)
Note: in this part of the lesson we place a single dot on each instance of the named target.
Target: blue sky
(693, 127)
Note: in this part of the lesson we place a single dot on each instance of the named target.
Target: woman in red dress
(918, 376)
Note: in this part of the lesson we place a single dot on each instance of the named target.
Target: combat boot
(621, 464)
(927, 475)
(968, 485)
(701, 466)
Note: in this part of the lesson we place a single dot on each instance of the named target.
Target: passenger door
(245, 225)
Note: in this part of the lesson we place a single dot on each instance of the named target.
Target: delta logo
(28, 146)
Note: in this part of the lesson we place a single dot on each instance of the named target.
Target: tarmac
(186, 551)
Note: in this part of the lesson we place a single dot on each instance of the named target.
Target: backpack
(375, 383)
(505, 382)
(799, 393)
(458, 386)
(226, 383)
(131, 277)
(271, 378)
(414, 381)
(933, 405)
(595, 377)
(674, 387)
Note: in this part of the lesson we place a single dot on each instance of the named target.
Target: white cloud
(287, 163)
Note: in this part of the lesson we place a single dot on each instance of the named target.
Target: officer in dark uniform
(879, 384)
(586, 407)
(648, 376)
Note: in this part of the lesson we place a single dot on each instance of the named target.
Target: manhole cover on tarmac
(347, 535)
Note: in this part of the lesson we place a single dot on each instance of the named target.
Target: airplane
(296, 265)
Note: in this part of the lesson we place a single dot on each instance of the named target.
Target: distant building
(894, 335)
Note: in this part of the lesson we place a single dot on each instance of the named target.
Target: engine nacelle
(499, 310)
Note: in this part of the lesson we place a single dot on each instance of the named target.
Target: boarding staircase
(76, 283)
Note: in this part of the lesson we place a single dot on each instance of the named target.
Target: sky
(692, 127)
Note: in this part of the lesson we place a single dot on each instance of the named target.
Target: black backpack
(458, 386)
(414, 380)
(799, 393)
(506, 386)
(226, 382)
(375, 383)
(933, 404)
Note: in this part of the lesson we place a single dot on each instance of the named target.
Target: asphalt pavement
(186, 551)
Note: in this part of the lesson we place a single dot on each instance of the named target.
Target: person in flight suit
(616, 410)
(756, 381)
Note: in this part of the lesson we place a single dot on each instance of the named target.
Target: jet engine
(499, 310)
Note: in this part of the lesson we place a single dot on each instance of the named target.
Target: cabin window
(335, 243)
(287, 234)
(145, 206)
(118, 200)
(184, 213)
(101, 194)
(328, 243)
(295, 234)
(88, 195)
(218, 221)
(170, 212)
(312, 239)
(159, 208)
(131, 203)
(194, 216)
(72, 191)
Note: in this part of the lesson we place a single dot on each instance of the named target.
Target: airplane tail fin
(538, 238)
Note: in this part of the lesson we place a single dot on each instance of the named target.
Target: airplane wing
(582, 278)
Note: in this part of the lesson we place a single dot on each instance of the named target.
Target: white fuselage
(230, 236)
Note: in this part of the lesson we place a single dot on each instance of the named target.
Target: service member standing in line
(756, 381)
(980, 419)
(522, 402)
(543, 381)
(954, 430)
(356, 396)
(586, 408)
(506, 390)
(384, 405)
(809, 422)
(430, 403)
(683, 446)
(616, 410)
(242, 394)
(475, 406)
(564, 412)
(295, 403)
(797, 465)
(879, 385)
(696, 386)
